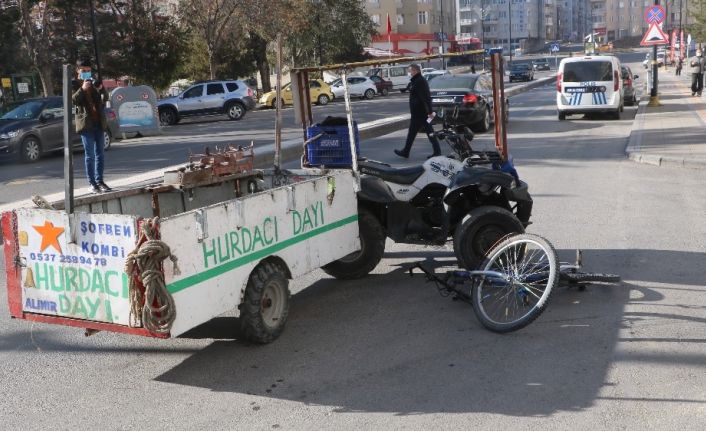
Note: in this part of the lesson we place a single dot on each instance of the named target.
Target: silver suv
(230, 97)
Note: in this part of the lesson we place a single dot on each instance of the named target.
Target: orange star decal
(50, 235)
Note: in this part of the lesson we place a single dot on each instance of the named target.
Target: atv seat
(387, 173)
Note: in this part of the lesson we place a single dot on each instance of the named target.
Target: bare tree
(36, 32)
(211, 20)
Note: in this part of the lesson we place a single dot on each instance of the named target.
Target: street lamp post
(482, 30)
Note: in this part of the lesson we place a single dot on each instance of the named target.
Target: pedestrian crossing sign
(654, 36)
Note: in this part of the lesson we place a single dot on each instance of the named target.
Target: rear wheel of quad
(530, 272)
(480, 230)
(265, 307)
(372, 246)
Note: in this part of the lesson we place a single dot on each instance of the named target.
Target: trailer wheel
(372, 246)
(265, 308)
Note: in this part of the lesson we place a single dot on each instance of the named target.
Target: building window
(400, 19)
(424, 1)
(423, 17)
(375, 18)
(374, 1)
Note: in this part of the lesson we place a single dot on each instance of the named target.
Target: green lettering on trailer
(208, 274)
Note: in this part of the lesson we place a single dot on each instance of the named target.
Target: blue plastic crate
(333, 149)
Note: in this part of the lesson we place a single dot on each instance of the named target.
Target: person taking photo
(89, 101)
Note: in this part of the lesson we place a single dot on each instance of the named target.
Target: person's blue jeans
(93, 141)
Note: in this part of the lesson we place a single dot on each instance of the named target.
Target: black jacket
(419, 96)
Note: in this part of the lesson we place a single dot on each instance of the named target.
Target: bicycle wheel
(590, 277)
(529, 271)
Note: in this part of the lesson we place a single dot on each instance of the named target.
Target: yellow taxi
(319, 91)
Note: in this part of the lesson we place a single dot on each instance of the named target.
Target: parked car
(428, 69)
(629, 96)
(361, 86)
(384, 86)
(396, 73)
(33, 127)
(431, 75)
(521, 72)
(319, 92)
(471, 93)
(660, 59)
(540, 64)
(231, 97)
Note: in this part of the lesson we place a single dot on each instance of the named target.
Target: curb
(633, 151)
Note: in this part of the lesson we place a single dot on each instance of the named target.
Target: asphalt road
(135, 156)
(387, 352)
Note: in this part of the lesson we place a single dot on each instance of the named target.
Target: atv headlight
(9, 135)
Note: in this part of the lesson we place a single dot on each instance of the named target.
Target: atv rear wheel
(372, 246)
(480, 230)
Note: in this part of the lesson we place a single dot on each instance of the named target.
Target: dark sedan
(471, 94)
(540, 64)
(384, 86)
(521, 72)
(629, 96)
(33, 127)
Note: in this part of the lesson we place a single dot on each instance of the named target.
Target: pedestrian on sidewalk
(89, 100)
(696, 68)
(679, 66)
(422, 115)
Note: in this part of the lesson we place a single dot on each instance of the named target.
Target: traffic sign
(654, 36)
(555, 48)
(654, 14)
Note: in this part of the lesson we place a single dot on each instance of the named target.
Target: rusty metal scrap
(212, 167)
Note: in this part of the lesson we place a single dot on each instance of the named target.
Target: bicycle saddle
(386, 172)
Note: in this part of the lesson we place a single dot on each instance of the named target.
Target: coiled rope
(155, 310)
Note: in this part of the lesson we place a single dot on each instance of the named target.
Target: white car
(433, 74)
(428, 69)
(361, 86)
(589, 84)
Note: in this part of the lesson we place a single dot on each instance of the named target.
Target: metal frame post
(278, 106)
(497, 73)
(68, 153)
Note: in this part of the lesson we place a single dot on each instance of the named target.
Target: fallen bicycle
(515, 283)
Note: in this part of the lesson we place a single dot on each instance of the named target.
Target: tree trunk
(258, 46)
(45, 75)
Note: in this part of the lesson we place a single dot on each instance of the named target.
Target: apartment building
(529, 23)
(415, 24)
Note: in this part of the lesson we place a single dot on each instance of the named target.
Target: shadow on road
(389, 343)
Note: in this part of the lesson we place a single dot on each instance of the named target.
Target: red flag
(389, 24)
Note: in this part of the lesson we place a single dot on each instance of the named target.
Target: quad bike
(472, 198)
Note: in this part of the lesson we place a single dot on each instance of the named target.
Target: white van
(589, 84)
(397, 74)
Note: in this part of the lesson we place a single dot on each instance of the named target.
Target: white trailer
(235, 246)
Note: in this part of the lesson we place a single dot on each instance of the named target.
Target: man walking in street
(420, 108)
(91, 123)
(696, 68)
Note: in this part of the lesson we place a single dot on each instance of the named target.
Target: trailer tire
(372, 246)
(265, 306)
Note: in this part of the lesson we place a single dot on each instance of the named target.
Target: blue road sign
(555, 47)
(654, 14)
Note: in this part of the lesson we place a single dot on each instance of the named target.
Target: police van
(589, 84)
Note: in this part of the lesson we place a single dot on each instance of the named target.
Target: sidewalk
(673, 134)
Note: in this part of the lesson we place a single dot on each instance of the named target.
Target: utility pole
(509, 15)
(95, 39)
(482, 30)
(654, 99)
(443, 36)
